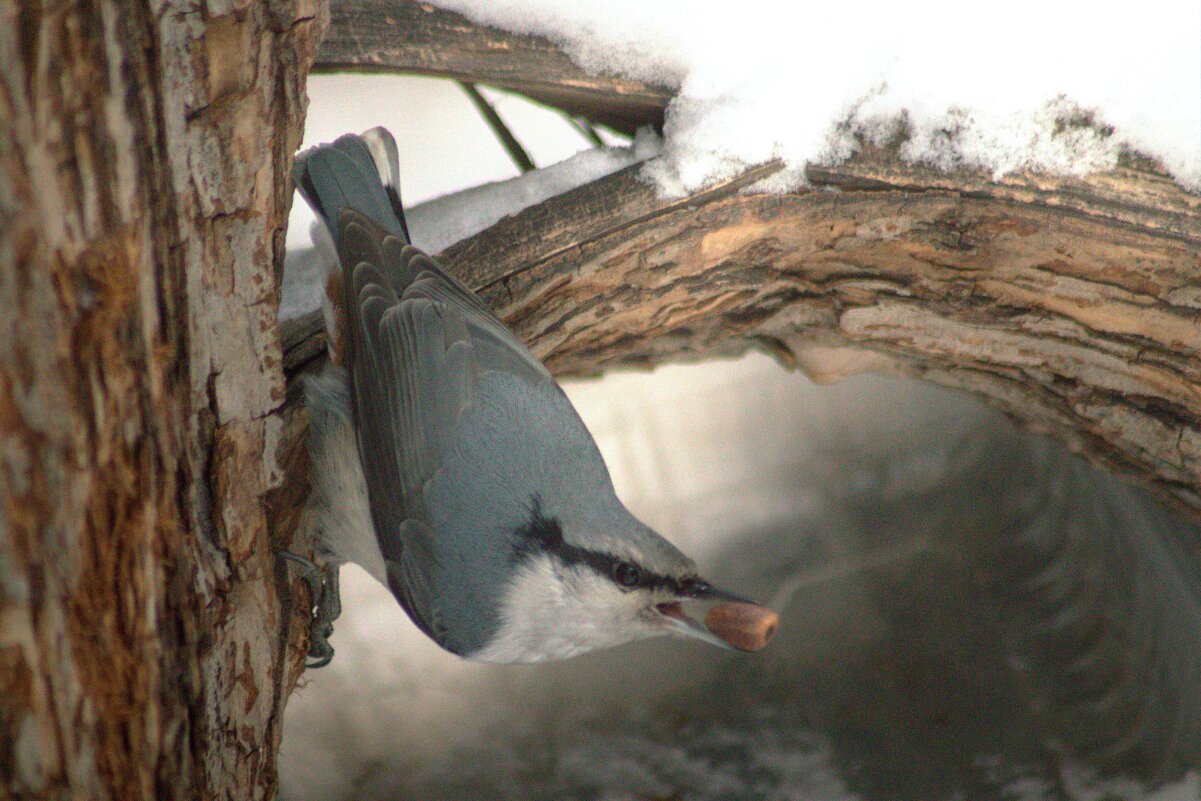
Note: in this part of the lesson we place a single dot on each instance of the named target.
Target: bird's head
(626, 583)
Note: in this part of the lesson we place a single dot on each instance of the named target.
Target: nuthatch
(450, 465)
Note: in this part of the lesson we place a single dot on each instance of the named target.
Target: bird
(449, 464)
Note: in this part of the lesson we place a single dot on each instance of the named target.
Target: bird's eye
(627, 575)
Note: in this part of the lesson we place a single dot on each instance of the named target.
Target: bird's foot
(327, 606)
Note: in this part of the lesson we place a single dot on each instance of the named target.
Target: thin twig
(502, 132)
(585, 129)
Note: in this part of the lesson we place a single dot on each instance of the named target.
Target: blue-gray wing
(418, 343)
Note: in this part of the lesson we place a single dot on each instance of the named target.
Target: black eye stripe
(542, 533)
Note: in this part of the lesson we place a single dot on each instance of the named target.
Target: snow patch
(1082, 784)
(1052, 87)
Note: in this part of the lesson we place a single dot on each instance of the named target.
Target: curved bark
(143, 645)
(405, 36)
(1071, 304)
(143, 649)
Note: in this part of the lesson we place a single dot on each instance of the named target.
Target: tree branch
(147, 638)
(508, 141)
(404, 36)
(1072, 304)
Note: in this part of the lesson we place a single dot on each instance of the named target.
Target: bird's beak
(678, 621)
(736, 623)
(707, 592)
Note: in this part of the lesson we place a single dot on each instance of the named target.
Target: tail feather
(354, 172)
(387, 164)
(357, 172)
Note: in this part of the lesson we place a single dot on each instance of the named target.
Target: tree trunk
(144, 155)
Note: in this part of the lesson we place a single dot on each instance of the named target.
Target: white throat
(553, 611)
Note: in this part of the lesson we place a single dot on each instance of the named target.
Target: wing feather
(419, 343)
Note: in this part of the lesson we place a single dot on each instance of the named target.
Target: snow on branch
(1073, 303)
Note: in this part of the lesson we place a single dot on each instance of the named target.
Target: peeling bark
(144, 154)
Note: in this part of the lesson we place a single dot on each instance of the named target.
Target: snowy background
(848, 506)
(981, 84)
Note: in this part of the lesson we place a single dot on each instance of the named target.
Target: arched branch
(1071, 304)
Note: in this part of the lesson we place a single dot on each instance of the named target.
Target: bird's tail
(361, 172)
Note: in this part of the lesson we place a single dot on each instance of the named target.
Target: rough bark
(1071, 304)
(144, 152)
(405, 36)
(1074, 304)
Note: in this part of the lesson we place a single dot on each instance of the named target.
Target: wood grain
(404, 36)
(1072, 303)
(144, 156)
(1075, 314)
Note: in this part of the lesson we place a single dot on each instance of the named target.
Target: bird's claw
(327, 606)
